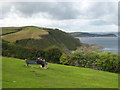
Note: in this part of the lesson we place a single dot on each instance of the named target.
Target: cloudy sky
(67, 16)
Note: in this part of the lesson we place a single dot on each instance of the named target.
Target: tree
(108, 62)
(53, 54)
(91, 58)
(78, 55)
(78, 58)
(65, 59)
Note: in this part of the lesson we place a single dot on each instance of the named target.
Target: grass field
(17, 75)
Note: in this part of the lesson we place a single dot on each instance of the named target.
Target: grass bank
(17, 75)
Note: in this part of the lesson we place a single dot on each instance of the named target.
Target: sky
(70, 16)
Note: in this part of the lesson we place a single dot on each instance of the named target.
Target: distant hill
(39, 38)
(83, 34)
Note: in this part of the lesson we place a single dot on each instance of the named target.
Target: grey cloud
(61, 10)
(5, 9)
(100, 22)
(104, 9)
(65, 10)
(119, 13)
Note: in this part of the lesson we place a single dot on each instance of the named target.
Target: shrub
(108, 62)
(105, 61)
(91, 59)
(78, 55)
(65, 59)
(13, 50)
(53, 54)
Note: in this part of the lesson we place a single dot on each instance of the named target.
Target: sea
(108, 43)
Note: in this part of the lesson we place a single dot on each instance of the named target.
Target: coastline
(109, 44)
(90, 47)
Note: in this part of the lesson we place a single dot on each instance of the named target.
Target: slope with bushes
(39, 38)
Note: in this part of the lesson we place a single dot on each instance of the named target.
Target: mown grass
(17, 75)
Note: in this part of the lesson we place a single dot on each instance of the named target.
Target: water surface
(109, 43)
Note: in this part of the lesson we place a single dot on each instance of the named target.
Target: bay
(109, 43)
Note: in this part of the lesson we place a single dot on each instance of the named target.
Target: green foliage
(91, 59)
(105, 61)
(78, 55)
(108, 62)
(63, 39)
(53, 54)
(65, 59)
(92, 55)
(85, 59)
(12, 50)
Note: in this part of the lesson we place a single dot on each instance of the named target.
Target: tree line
(51, 54)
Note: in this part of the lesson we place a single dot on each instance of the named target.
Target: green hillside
(25, 33)
(8, 30)
(17, 75)
(39, 38)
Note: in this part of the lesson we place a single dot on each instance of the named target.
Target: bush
(78, 58)
(13, 50)
(53, 54)
(105, 61)
(78, 55)
(91, 59)
(108, 62)
(65, 59)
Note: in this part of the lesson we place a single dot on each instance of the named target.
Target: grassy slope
(25, 33)
(8, 30)
(16, 75)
